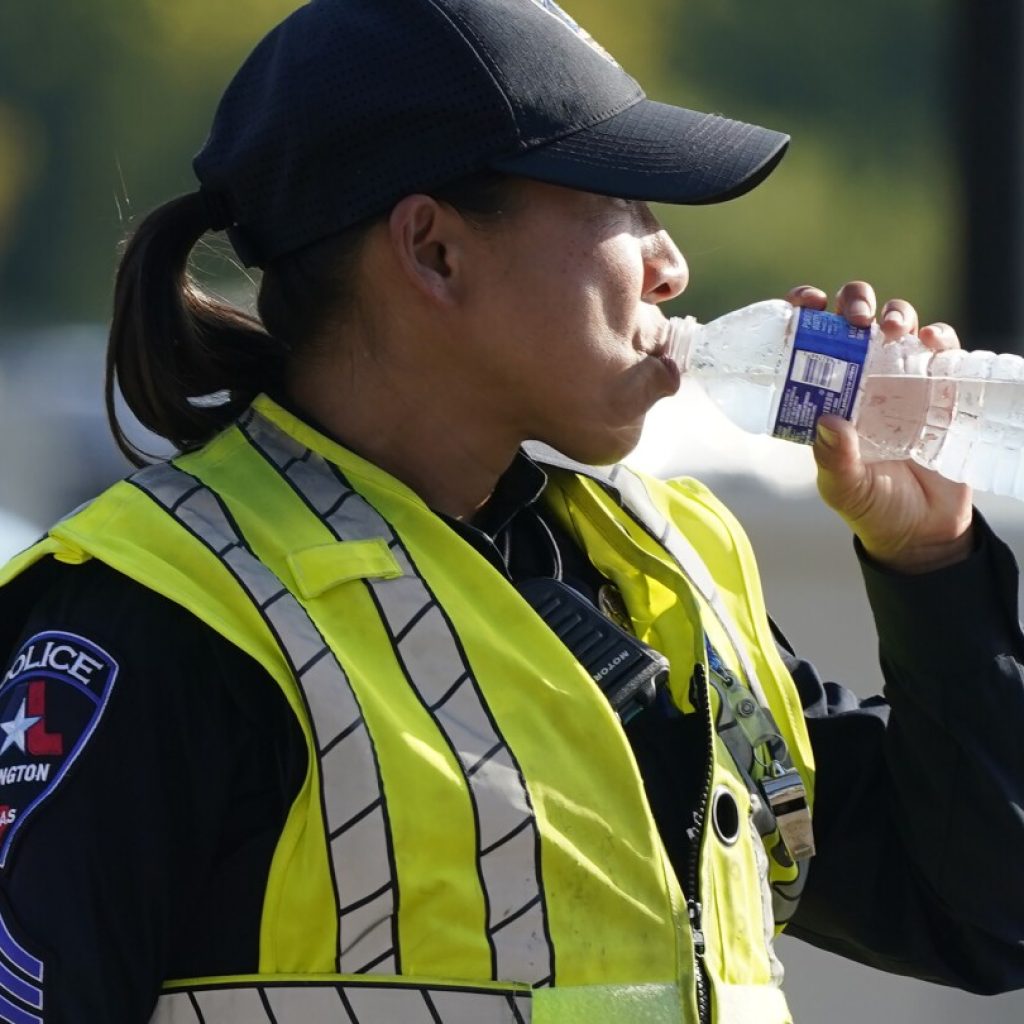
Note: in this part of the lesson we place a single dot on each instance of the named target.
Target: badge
(570, 23)
(611, 604)
(51, 700)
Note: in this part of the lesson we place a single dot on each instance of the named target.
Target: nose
(666, 274)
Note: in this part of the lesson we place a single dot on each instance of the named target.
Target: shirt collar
(519, 487)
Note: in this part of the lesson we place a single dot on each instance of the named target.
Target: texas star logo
(27, 729)
(26, 733)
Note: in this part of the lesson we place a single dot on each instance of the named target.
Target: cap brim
(658, 153)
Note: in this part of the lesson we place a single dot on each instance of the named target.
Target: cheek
(617, 284)
(598, 279)
(569, 310)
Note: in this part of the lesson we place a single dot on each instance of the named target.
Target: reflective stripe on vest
(327, 1003)
(345, 1002)
(432, 659)
(362, 865)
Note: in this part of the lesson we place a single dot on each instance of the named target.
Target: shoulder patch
(22, 974)
(51, 700)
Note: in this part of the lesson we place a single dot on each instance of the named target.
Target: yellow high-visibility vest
(472, 842)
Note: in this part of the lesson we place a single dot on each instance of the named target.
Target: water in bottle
(774, 369)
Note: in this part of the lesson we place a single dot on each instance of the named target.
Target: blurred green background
(103, 103)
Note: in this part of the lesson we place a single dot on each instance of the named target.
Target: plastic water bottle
(774, 369)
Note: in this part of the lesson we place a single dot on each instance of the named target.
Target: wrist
(923, 558)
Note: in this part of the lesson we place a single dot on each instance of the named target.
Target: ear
(428, 242)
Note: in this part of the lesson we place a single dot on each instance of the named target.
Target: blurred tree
(19, 155)
(868, 189)
(103, 103)
(116, 96)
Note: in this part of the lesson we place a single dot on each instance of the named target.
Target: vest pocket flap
(318, 569)
(70, 554)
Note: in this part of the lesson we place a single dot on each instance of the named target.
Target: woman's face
(566, 320)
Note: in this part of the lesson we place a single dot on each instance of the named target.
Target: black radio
(627, 671)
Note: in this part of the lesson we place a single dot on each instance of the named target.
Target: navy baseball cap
(349, 105)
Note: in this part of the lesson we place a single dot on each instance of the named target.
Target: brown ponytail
(189, 365)
(186, 363)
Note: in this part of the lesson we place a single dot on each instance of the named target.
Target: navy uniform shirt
(173, 760)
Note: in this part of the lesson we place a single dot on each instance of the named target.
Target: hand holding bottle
(907, 517)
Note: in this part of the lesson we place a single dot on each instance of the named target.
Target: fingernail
(828, 437)
(859, 307)
(895, 317)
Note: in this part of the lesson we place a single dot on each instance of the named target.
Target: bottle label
(824, 373)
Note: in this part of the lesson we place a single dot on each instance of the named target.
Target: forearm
(917, 814)
(952, 651)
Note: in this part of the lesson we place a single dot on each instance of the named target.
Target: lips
(656, 344)
(671, 368)
(654, 347)
(658, 352)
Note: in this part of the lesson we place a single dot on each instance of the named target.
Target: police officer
(357, 711)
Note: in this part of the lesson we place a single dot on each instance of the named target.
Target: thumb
(841, 473)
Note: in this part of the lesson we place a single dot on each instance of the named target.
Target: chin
(603, 450)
